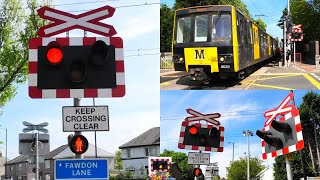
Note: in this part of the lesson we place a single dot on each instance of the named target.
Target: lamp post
(232, 150)
(248, 133)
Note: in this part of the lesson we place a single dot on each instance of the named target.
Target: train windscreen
(219, 29)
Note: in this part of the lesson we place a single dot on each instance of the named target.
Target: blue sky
(130, 116)
(240, 110)
(271, 9)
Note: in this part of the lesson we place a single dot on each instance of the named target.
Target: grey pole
(285, 42)
(248, 173)
(76, 102)
(288, 167)
(37, 156)
(5, 167)
(95, 135)
(233, 152)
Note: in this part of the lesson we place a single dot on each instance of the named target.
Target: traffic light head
(197, 172)
(201, 137)
(76, 67)
(160, 165)
(78, 144)
(280, 135)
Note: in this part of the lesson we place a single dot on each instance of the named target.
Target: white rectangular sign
(85, 118)
(198, 158)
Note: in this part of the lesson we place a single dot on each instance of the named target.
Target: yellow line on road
(270, 86)
(170, 76)
(313, 81)
(164, 84)
(276, 74)
(281, 76)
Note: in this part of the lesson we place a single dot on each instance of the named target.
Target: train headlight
(181, 59)
(221, 59)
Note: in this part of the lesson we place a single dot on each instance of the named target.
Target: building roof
(19, 159)
(64, 152)
(150, 137)
(263, 171)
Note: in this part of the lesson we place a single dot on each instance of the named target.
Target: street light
(248, 133)
(232, 150)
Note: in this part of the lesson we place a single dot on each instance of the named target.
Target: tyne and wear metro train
(220, 41)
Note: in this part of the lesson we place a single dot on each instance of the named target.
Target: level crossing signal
(160, 165)
(199, 136)
(78, 144)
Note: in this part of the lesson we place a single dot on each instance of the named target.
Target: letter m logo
(199, 54)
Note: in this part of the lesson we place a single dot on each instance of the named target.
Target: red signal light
(54, 55)
(78, 144)
(193, 130)
(197, 172)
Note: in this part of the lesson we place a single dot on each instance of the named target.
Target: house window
(128, 153)
(47, 164)
(19, 166)
(19, 178)
(47, 177)
(146, 151)
(11, 168)
(153, 151)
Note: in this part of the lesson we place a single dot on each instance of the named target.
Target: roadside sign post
(198, 158)
(85, 118)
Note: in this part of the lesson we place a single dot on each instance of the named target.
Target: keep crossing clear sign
(198, 158)
(85, 118)
(81, 169)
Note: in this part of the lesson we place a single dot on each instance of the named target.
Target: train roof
(194, 7)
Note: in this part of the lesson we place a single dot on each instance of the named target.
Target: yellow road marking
(313, 81)
(269, 86)
(171, 76)
(281, 76)
(274, 74)
(164, 84)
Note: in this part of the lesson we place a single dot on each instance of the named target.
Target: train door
(241, 39)
(256, 44)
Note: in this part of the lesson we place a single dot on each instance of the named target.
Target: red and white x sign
(207, 117)
(88, 21)
(283, 108)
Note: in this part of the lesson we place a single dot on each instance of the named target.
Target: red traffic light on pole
(197, 172)
(78, 144)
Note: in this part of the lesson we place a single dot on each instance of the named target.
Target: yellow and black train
(220, 41)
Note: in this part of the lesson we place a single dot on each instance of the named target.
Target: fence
(166, 61)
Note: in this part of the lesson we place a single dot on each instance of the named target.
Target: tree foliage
(181, 159)
(17, 26)
(309, 109)
(306, 14)
(238, 168)
(118, 160)
(166, 27)
(261, 24)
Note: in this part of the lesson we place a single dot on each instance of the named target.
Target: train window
(249, 31)
(241, 31)
(221, 28)
(201, 28)
(183, 30)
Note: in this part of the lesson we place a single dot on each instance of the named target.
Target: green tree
(16, 28)
(181, 159)
(238, 169)
(304, 13)
(261, 24)
(118, 160)
(166, 28)
(308, 109)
